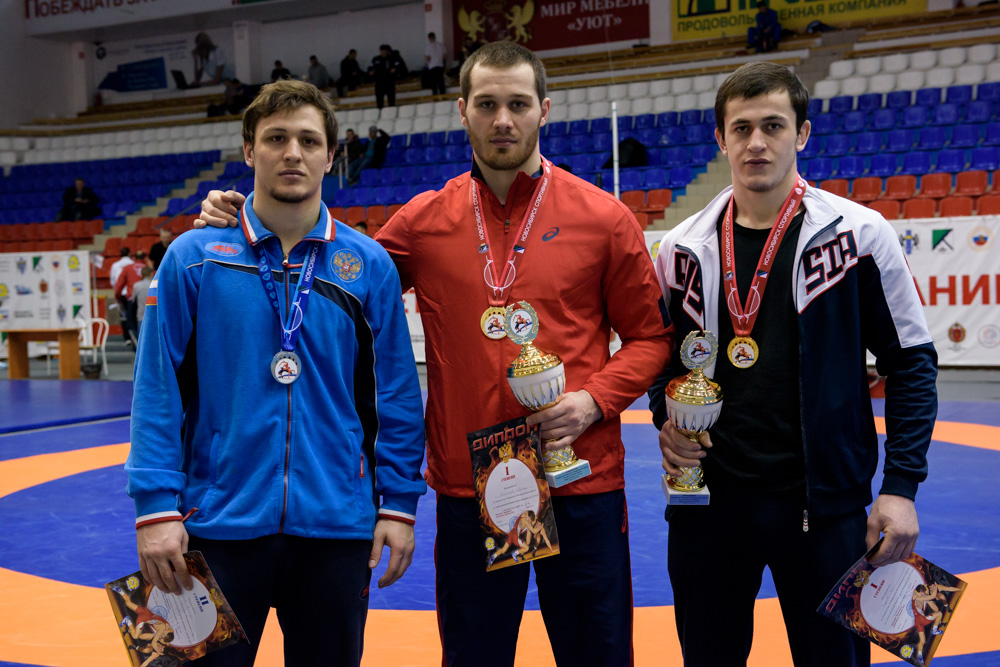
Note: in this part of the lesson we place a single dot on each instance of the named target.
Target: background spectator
(435, 56)
(139, 292)
(469, 47)
(210, 61)
(318, 76)
(767, 34)
(80, 203)
(384, 70)
(159, 248)
(350, 150)
(374, 156)
(127, 278)
(280, 72)
(350, 73)
(238, 97)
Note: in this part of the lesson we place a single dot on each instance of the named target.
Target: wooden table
(69, 351)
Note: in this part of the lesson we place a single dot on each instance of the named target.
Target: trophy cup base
(564, 476)
(677, 497)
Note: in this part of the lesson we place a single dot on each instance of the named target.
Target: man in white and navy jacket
(797, 284)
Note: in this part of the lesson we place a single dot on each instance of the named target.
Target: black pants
(385, 89)
(319, 587)
(585, 591)
(435, 80)
(129, 312)
(716, 557)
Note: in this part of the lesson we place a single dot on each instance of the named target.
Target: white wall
(329, 38)
(35, 77)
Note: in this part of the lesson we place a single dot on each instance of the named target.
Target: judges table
(69, 351)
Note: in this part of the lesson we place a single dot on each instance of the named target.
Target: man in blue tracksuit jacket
(790, 462)
(276, 391)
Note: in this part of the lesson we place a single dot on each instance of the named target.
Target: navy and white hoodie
(211, 428)
(852, 291)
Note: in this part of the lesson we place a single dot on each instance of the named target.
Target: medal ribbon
(292, 325)
(499, 284)
(744, 316)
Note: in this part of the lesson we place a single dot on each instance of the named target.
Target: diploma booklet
(905, 607)
(162, 629)
(515, 508)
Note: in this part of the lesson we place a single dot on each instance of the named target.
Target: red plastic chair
(918, 208)
(954, 207)
(337, 212)
(657, 200)
(634, 199)
(935, 186)
(391, 211)
(988, 205)
(112, 246)
(837, 186)
(889, 208)
(971, 183)
(996, 181)
(902, 186)
(642, 218)
(866, 189)
(354, 214)
(375, 216)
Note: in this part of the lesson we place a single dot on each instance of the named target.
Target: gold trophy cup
(538, 379)
(693, 405)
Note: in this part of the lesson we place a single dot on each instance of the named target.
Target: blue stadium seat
(437, 138)
(986, 158)
(945, 114)
(837, 145)
(958, 94)
(370, 178)
(679, 178)
(409, 175)
(434, 154)
(413, 155)
(883, 165)
(579, 126)
(418, 140)
(854, 121)
(820, 169)
(868, 143)
(452, 169)
(951, 161)
(965, 136)
(979, 111)
(603, 141)
(457, 137)
(667, 119)
(708, 116)
(383, 195)
(556, 145)
(914, 117)
(454, 153)
(916, 164)
(672, 135)
(869, 101)
(931, 139)
(702, 154)
(402, 194)
(624, 124)
(655, 179)
(430, 174)
(340, 198)
(989, 91)
(388, 176)
(850, 166)
(645, 121)
(648, 136)
(899, 141)
(815, 107)
(825, 123)
(580, 143)
(812, 148)
(992, 135)
(928, 97)
(691, 117)
(559, 128)
(884, 119)
(600, 125)
(629, 179)
(675, 156)
(696, 134)
(581, 163)
(841, 104)
(898, 99)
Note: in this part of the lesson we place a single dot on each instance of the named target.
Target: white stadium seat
(618, 91)
(406, 111)
(703, 83)
(370, 115)
(442, 122)
(868, 66)
(882, 83)
(578, 111)
(664, 103)
(680, 86)
(355, 115)
(558, 113)
(421, 124)
(841, 69)
(576, 95)
(720, 79)
(557, 96)
(687, 101)
(40, 143)
(186, 132)
(425, 109)
(854, 86)
(389, 113)
(826, 89)
(445, 107)
(940, 77)
(638, 89)
(599, 109)
(121, 150)
(625, 107)
(642, 105)
(952, 57)
(970, 74)
(404, 125)
(895, 63)
(162, 133)
(910, 80)
(923, 60)
(659, 87)
(982, 54)
(706, 100)
(993, 72)
(597, 93)
(21, 143)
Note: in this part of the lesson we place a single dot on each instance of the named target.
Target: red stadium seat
(889, 208)
(657, 200)
(935, 186)
(391, 211)
(996, 181)
(971, 183)
(952, 207)
(902, 186)
(988, 205)
(837, 186)
(866, 189)
(919, 208)
(642, 218)
(375, 215)
(337, 212)
(113, 246)
(634, 199)
(354, 214)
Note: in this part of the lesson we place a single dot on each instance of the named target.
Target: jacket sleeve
(657, 390)
(399, 449)
(637, 314)
(154, 461)
(895, 330)
(394, 236)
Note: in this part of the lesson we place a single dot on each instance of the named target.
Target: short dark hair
(502, 55)
(277, 63)
(288, 95)
(312, 57)
(384, 47)
(431, 35)
(125, 251)
(760, 78)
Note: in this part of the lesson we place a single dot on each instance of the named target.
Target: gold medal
(742, 352)
(492, 323)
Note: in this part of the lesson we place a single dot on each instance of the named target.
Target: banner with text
(551, 24)
(956, 267)
(707, 19)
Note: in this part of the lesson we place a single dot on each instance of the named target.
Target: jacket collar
(255, 232)
(522, 186)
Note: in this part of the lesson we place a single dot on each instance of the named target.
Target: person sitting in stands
(80, 203)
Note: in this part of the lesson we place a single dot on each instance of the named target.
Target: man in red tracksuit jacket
(128, 277)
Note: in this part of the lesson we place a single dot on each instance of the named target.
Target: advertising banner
(551, 24)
